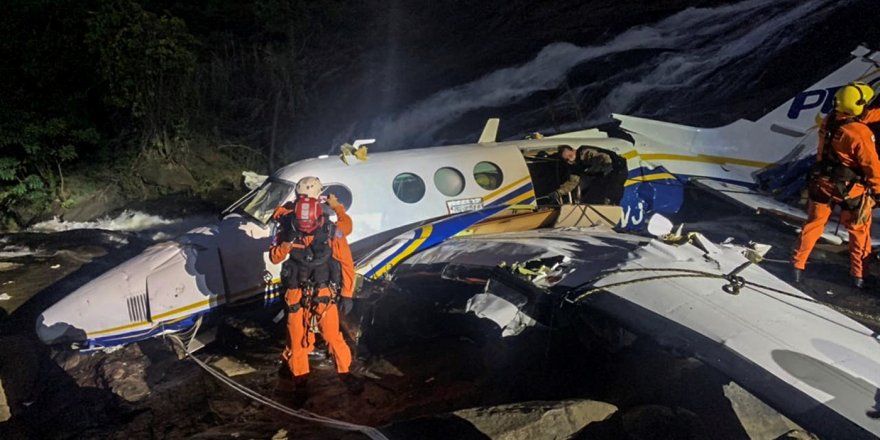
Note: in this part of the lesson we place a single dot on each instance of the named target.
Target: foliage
(90, 86)
(146, 61)
(33, 154)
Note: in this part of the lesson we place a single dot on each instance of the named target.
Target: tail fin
(800, 111)
(667, 153)
(784, 133)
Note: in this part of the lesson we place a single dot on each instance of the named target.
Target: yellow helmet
(852, 98)
(309, 186)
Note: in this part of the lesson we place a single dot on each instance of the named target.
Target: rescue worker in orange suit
(847, 173)
(317, 265)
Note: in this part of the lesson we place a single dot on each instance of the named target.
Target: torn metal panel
(501, 305)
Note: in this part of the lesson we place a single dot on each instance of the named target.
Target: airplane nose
(117, 306)
(101, 304)
(58, 332)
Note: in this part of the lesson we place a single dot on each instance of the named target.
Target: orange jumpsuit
(301, 339)
(855, 148)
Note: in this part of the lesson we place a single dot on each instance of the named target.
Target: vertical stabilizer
(490, 132)
(799, 113)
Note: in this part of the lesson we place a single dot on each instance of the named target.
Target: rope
(691, 273)
(370, 432)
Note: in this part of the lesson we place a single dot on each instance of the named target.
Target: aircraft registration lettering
(820, 98)
(633, 218)
(464, 205)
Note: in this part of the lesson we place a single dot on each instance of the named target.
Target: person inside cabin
(603, 177)
(579, 168)
(846, 174)
(318, 277)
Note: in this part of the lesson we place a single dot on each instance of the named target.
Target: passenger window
(488, 175)
(342, 194)
(408, 187)
(449, 181)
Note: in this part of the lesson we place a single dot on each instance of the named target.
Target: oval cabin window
(449, 181)
(342, 193)
(488, 175)
(408, 187)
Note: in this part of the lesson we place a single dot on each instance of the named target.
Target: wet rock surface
(124, 372)
(757, 419)
(529, 420)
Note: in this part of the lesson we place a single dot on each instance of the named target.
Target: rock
(280, 435)
(5, 412)
(173, 177)
(247, 329)
(5, 265)
(655, 422)
(797, 434)
(233, 367)
(536, 419)
(20, 367)
(381, 367)
(757, 419)
(95, 205)
(125, 373)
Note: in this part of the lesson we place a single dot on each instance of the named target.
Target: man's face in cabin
(568, 156)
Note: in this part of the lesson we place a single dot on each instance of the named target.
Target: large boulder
(515, 421)
(125, 373)
(173, 177)
(538, 419)
(95, 205)
(757, 419)
(5, 412)
(20, 366)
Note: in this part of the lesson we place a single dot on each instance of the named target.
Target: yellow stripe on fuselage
(426, 232)
(649, 178)
(154, 318)
(701, 158)
(493, 194)
(527, 195)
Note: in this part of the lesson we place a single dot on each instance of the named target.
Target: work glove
(282, 210)
(345, 305)
(333, 201)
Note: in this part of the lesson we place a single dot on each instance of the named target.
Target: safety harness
(830, 168)
(311, 267)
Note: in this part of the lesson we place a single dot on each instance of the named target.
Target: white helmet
(309, 186)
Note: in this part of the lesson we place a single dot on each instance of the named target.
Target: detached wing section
(816, 366)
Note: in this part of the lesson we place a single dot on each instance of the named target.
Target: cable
(370, 432)
(691, 273)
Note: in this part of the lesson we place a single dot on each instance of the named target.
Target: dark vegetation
(105, 102)
(108, 102)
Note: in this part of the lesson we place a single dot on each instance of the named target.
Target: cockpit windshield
(261, 203)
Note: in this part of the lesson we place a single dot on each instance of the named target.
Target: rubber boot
(301, 392)
(354, 384)
(284, 371)
(859, 283)
(797, 275)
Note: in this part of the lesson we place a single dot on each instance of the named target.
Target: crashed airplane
(462, 213)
